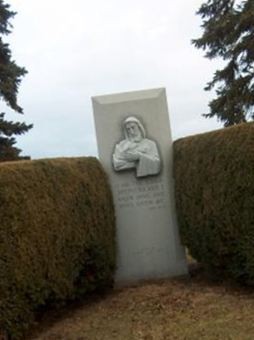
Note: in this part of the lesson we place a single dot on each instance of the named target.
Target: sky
(77, 49)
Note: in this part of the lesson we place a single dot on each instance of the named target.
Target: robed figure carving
(136, 151)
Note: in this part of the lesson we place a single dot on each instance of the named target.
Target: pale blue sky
(77, 49)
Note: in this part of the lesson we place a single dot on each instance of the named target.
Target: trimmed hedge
(57, 236)
(214, 182)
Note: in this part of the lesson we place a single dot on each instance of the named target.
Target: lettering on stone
(150, 195)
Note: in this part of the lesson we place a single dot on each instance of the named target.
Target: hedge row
(57, 236)
(214, 178)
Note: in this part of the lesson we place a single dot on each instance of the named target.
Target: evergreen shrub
(57, 236)
(214, 183)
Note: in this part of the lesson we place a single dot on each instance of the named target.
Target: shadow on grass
(195, 286)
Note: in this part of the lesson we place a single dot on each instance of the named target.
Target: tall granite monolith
(135, 148)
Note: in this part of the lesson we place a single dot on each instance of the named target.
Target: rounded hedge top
(57, 235)
(214, 176)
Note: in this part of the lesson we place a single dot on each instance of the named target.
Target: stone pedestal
(135, 148)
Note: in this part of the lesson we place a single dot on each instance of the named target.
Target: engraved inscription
(151, 195)
(149, 251)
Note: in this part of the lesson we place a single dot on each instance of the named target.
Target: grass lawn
(193, 308)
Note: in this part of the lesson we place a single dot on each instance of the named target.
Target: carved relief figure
(136, 151)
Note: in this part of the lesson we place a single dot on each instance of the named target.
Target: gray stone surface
(135, 148)
(136, 151)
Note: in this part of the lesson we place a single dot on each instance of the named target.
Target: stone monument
(135, 149)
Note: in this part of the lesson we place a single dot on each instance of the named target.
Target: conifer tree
(10, 78)
(228, 32)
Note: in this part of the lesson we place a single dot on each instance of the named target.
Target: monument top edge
(129, 96)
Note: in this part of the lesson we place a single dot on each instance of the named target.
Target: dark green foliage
(57, 236)
(214, 180)
(10, 79)
(229, 33)
(7, 149)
